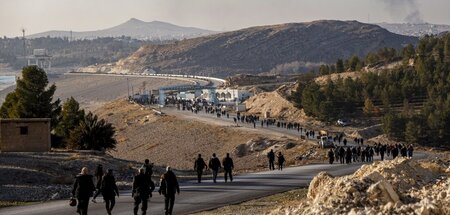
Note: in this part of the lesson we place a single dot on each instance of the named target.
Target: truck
(326, 142)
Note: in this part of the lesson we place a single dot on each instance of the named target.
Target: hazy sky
(82, 15)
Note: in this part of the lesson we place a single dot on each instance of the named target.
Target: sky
(37, 16)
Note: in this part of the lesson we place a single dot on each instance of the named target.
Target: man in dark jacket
(331, 156)
(281, 160)
(169, 186)
(141, 192)
(109, 190)
(148, 168)
(228, 166)
(83, 188)
(98, 176)
(214, 165)
(199, 166)
(271, 157)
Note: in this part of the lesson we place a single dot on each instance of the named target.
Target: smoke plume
(406, 10)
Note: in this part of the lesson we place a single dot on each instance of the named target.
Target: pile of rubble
(400, 186)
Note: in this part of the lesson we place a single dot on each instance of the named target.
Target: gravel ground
(48, 176)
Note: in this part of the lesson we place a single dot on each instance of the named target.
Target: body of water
(6, 81)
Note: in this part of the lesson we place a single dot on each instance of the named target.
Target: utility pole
(128, 87)
(24, 43)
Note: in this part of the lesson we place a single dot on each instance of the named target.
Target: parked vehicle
(343, 122)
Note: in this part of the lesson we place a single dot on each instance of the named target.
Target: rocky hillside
(260, 49)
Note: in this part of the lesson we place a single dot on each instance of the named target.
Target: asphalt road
(196, 197)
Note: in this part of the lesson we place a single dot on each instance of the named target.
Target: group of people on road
(365, 154)
(214, 165)
(143, 186)
(280, 160)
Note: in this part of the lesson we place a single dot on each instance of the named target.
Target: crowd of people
(358, 153)
(143, 186)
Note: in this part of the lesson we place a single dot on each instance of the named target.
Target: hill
(261, 49)
(417, 30)
(136, 29)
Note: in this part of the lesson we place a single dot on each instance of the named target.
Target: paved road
(198, 197)
(224, 121)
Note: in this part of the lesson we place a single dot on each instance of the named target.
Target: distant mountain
(134, 28)
(417, 30)
(260, 49)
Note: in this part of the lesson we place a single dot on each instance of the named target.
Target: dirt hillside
(168, 140)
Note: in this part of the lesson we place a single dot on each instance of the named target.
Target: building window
(23, 130)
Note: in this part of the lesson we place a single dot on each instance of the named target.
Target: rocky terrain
(260, 49)
(52, 177)
(400, 186)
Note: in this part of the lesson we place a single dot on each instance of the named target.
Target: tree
(92, 134)
(353, 63)
(447, 49)
(324, 70)
(412, 132)
(340, 66)
(71, 116)
(31, 99)
(368, 107)
(393, 126)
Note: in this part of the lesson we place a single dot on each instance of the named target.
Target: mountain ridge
(259, 49)
(134, 28)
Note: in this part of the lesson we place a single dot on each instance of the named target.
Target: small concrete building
(25, 135)
(232, 95)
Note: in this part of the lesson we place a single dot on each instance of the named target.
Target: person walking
(281, 161)
(199, 166)
(214, 165)
(348, 156)
(382, 151)
(83, 188)
(168, 187)
(148, 168)
(342, 155)
(98, 176)
(109, 190)
(271, 157)
(228, 166)
(330, 156)
(410, 151)
(141, 191)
